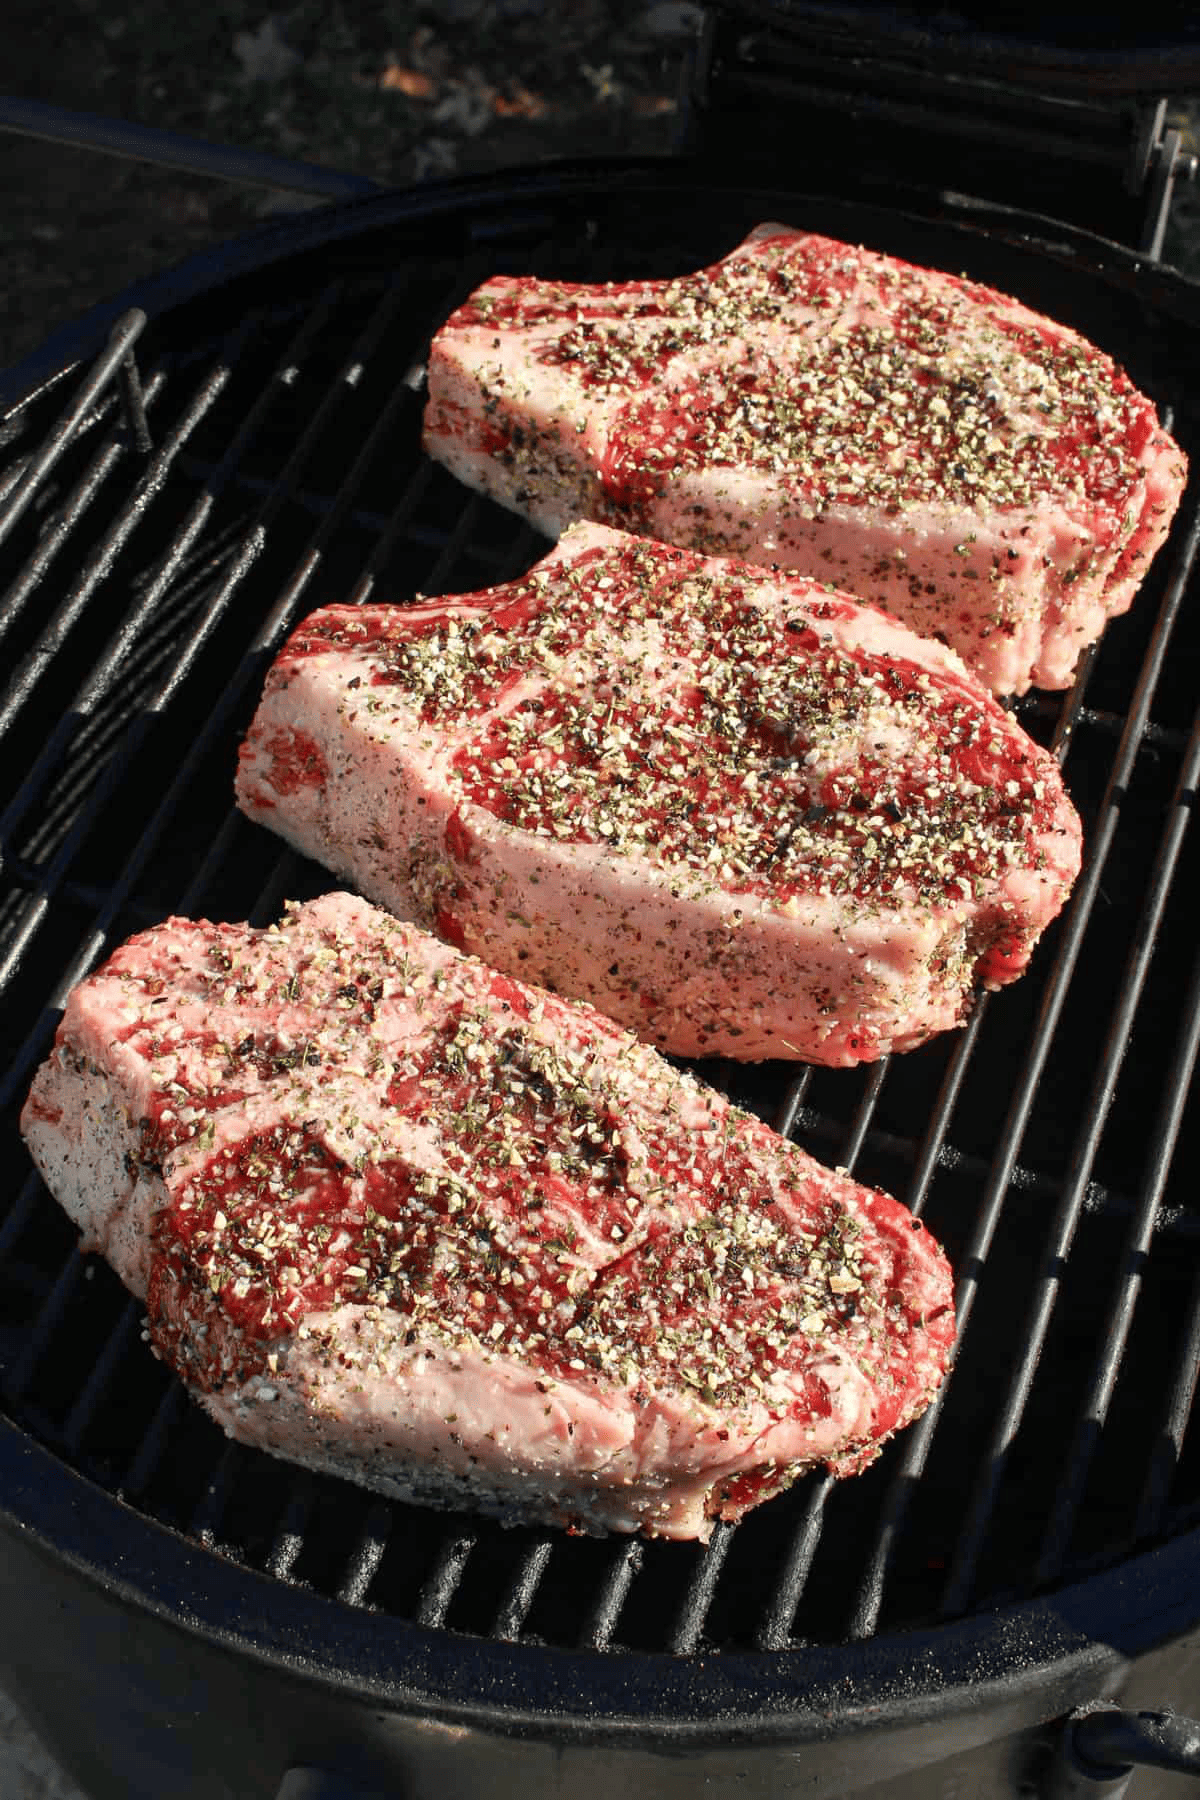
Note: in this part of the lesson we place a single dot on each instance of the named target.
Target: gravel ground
(398, 90)
(391, 89)
(394, 89)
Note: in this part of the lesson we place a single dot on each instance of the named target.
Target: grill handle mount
(1102, 1745)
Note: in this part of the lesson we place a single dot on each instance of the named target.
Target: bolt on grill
(224, 469)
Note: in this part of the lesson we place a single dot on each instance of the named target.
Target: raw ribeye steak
(925, 442)
(398, 1217)
(740, 814)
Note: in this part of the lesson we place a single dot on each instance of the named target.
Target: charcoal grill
(186, 473)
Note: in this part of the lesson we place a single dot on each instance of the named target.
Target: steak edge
(738, 813)
(399, 1218)
(923, 441)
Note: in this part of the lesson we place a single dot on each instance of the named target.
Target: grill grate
(1047, 1145)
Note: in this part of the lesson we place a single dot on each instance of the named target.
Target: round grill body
(1032, 1546)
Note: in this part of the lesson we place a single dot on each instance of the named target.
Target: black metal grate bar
(776, 1625)
(391, 531)
(276, 891)
(48, 1321)
(918, 1441)
(369, 520)
(793, 1104)
(62, 522)
(444, 1577)
(931, 1151)
(13, 475)
(933, 1154)
(852, 1149)
(522, 1589)
(686, 1632)
(292, 1530)
(101, 678)
(1045, 1296)
(1092, 1415)
(155, 1439)
(33, 666)
(115, 764)
(366, 1556)
(1035, 706)
(452, 548)
(124, 334)
(600, 1621)
(217, 716)
(1181, 1395)
(101, 1374)
(133, 397)
(207, 1514)
(21, 1212)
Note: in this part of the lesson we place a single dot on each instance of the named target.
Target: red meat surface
(925, 442)
(401, 1218)
(737, 812)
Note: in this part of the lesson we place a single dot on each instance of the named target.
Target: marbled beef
(400, 1218)
(927, 443)
(741, 815)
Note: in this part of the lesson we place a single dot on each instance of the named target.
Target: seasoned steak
(401, 1218)
(740, 814)
(925, 442)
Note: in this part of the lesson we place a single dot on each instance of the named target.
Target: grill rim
(1039, 1652)
(889, 1696)
(554, 185)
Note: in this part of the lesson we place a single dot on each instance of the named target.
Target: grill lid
(1048, 1145)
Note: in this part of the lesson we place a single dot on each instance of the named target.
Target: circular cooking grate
(1047, 1146)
